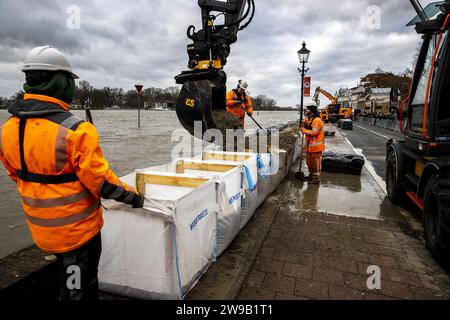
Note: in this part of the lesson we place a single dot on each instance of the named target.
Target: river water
(125, 147)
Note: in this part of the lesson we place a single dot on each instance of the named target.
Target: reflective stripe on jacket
(315, 138)
(58, 165)
(238, 109)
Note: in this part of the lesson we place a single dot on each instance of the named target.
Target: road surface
(372, 142)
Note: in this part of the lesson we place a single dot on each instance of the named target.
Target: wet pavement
(311, 255)
(342, 194)
(317, 242)
(370, 142)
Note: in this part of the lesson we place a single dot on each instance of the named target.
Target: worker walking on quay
(239, 103)
(61, 174)
(314, 133)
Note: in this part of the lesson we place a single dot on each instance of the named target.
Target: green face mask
(61, 86)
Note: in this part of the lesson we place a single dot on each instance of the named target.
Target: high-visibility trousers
(314, 163)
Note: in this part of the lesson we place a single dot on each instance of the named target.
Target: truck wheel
(394, 189)
(437, 218)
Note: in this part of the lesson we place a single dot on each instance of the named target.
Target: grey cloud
(33, 23)
(145, 40)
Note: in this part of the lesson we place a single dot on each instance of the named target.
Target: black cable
(251, 17)
(243, 17)
(220, 14)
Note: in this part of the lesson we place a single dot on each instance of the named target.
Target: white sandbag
(160, 251)
(298, 148)
(229, 197)
(249, 205)
(170, 167)
(265, 173)
(229, 194)
(280, 174)
(250, 188)
(293, 156)
(249, 160)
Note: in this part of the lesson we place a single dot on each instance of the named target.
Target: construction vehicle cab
(324, 116)
(418, 168)
(204, 84)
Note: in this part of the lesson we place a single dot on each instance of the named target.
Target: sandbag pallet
(271, 171)
(249, 202)
(160, 251)
(194, 209)
(228, 177)
(293, 155)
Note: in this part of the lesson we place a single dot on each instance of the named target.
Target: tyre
(395, 190)
(436, 218)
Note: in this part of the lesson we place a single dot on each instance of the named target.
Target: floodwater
(125, 147)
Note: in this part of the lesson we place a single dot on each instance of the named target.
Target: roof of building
(387, 80)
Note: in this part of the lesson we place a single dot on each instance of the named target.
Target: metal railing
(387, 124)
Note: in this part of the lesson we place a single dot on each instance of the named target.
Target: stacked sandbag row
(194, 209)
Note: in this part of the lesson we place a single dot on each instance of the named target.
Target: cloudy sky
(120, 43)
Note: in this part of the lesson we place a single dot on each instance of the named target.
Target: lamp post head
(303, 54)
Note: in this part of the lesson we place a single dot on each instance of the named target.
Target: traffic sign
(139, 88)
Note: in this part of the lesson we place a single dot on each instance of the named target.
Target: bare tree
(83, 92)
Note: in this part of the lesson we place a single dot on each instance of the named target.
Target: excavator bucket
(204, 101)
(203, 95)
(194, 104)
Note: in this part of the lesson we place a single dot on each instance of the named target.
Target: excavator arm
(332, 108)
(330, 97)
(204, 84)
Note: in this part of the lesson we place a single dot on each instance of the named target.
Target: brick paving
(292, 251)
(310, 255)
(313, 255)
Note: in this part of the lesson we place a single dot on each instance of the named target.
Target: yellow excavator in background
(334, 111)
(324, 115)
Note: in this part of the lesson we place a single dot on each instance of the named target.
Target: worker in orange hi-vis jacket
(61, 174)
(239, 103)
(314, 133)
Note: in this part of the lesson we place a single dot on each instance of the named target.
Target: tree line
(407, 73)
(117, 98)
(109, 98)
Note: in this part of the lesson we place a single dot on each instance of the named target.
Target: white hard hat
(47, 58)
(310, 104)
(243, 85)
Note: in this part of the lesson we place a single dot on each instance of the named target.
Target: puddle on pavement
(343, 194)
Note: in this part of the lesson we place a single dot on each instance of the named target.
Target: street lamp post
(303, 56)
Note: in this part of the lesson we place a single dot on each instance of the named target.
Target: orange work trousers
(314, 163)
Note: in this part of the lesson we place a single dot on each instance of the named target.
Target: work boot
(314, 180)
(309, 178)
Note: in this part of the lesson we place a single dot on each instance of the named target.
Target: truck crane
(204, 84)
(334, 111)
(418, 166)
